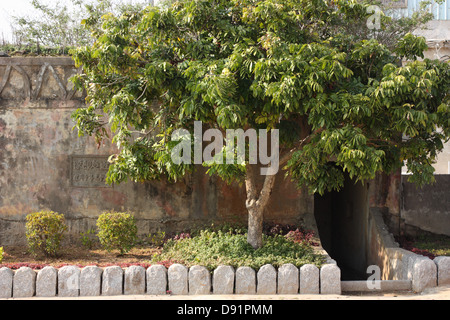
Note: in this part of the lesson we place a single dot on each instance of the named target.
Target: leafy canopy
(342, 102)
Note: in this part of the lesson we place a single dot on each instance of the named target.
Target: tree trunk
(256, 203)
(255, 227)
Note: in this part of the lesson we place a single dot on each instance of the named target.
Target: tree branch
(266, 190)
(298, 146)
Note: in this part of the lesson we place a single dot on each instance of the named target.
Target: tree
(342, 104)
(58, 25)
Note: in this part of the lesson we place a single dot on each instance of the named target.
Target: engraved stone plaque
(88, 171)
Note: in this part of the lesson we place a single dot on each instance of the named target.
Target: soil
(16, 256)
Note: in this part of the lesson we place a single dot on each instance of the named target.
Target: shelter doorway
(342, 218)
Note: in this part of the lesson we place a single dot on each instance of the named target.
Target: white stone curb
(72, 281)
(443, 270)
(330, 279)
(424, 274)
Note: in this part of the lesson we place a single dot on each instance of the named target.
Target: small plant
(1, 254)
(88, 238)
(117, 231)
(181, 236)
(44, 232)
(300, 236)
(157, 239)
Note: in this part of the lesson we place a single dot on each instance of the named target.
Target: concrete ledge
(72, 281)
(396, 263)
(36, 61)
(376, 286)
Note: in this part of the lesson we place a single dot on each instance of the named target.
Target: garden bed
(19, 256)
(209, 247)
(429, 245)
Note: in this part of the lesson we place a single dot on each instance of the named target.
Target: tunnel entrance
(341, 219)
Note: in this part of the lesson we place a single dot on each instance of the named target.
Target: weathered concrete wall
(427, 208)
(45, 165)
(385, 195)
(383, 251)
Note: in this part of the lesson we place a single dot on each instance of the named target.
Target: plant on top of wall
(44, 232)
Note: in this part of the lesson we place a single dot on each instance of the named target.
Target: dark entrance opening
(341, 219)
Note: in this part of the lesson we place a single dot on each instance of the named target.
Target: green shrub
(44, 232)
(214, 248)
(1, 254)
(117, 231)
(157, 239)
(88, 238)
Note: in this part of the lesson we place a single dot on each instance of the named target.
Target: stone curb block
(288, 279)
(24, 283)
(245, 281)
(112, 282)
(266, 280)
(443, 270)
(91, 281)
(223, 280)
(424, 274)
(177, 276)
(47, 282)
(309, 279)
(71, 281)
(134, 280)
(6, 282)
(156, 280)
(330, 279)
(199, 280)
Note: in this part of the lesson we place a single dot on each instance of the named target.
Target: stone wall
(45, 165)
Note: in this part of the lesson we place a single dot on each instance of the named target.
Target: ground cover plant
(229, 246)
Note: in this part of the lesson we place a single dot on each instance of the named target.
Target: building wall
(45, 165)
(426, 208)
(440, 11)
(437, 34)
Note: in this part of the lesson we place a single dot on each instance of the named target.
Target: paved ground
(438, 293)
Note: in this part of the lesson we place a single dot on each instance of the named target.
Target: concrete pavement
(436, 293)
